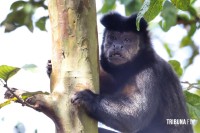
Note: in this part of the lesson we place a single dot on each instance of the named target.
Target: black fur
(111, 22)
(140, 95)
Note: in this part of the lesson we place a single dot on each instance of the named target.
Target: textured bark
(74, 61)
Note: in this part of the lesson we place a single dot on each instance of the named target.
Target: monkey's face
(120, 47)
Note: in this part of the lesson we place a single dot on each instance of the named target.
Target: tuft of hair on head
(115, 21)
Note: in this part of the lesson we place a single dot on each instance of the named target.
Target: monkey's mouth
(116, 55)
(116, 58)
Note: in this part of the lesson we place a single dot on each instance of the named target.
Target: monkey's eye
(127, 40)
(111, 37)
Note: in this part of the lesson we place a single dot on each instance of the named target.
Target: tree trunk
(74, 61)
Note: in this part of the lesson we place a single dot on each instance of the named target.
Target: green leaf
(41, 23)
(24, 96)
(7, 102)
(197, 127)
(176, 66)
(186, 41)
(181, 4)
(17, 19)
(7, 71)
(198, 91)
(154, 9)
(22, 14)
(16, 5)
(108, 6)
(30, 67)
(192, 11)
(30, 94)
(193, 104)
(192, 30)
(134, 6)
(192, 1)
(126, 2)
(168, 50)
(29, 23)
(13, 20)
(183, 18)
(169, 14)
(141, 13)
(150, 9)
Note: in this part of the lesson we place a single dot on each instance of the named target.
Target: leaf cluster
(6, 72)
(149, 9)
(22, 13)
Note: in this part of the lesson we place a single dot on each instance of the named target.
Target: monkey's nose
(118, 47)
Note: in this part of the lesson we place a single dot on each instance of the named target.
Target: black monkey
(139, 91)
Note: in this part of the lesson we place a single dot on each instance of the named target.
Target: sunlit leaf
(133, 6)
(141, 13)
(193, 104)
(29, 94)
(187, 40)
(29, 23)
(197, 127)
(192, 1)
(169, 14)
(154, 9)
(192, 11)
(7, 71)
(192, 30)
(22, 15)
(41, 23)
(195, 52)
(18, 4)
(108, 6)
(18, 18)
(126, 2)
(30, 67)
(198, 91)
(7, 102)
(150, 9)
(181, 4)
(176, 66)
(29, 8)
(168, 50)
(13, 20)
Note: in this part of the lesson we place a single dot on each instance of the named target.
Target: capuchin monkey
(139, 91)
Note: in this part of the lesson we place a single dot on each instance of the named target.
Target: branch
(191, 85)
(20, 100)
(33, 100)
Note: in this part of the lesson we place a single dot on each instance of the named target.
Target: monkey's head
(121, 40)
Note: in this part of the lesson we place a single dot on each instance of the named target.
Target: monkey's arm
(129, 110)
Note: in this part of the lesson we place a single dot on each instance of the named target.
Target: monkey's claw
(82, 98)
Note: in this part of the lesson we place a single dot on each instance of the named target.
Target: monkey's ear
(115, 21)
(112, 20)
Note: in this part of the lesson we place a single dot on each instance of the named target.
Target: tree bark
(74, 61)
(74, 66)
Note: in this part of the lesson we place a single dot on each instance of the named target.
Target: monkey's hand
(49, 68)
(85, 99)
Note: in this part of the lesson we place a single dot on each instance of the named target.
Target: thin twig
(2, 82)
(18, 98)
(191, 85)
